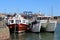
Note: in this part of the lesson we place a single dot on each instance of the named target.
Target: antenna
(39, 12)
(5, 11)
(51, 10)
(17, 11)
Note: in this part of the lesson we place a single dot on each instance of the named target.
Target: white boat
(36, 27)
(48, 24)
(51, 26)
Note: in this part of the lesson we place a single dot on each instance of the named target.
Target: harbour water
(38, 36)
(33, 36)
(57, 32)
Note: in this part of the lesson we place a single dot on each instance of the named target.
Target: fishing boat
(47, 24)
(51, 26)
(36, 26)
(17, 23)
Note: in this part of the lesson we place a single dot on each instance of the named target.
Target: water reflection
(38, 36)
(47, 36)
(33, 36)
(57, 32)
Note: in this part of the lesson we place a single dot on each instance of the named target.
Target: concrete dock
(4, 31)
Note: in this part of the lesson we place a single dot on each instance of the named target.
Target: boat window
(18, 21)
(11, 21)
(23, 21)
(38, 18)
(55, 18)
(42, 18)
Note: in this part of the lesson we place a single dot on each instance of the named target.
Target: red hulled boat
(17, 23)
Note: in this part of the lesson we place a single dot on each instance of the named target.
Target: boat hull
(49, 26)
(17, 27)
(12, 28)
(43, 23)
(36, 27)
(22, 27)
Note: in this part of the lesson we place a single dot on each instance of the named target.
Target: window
(12, 21)
(18, 21)
(23, 21)
(39, 18)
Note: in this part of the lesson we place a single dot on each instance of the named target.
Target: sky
(47, 7)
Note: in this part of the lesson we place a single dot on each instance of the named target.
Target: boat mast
(51, 10)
